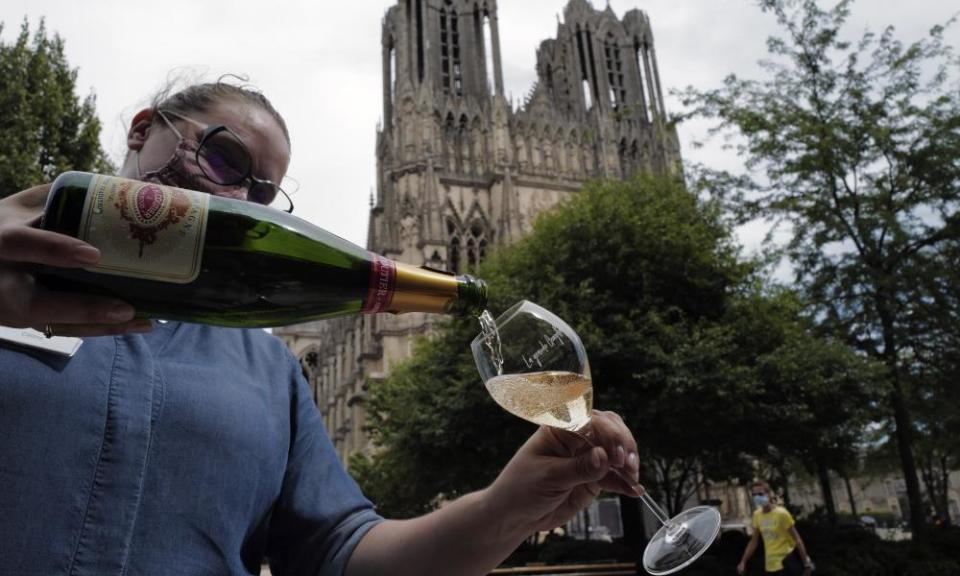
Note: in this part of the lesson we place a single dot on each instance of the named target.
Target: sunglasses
(225, 160)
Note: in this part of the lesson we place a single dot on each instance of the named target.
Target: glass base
(678, 544)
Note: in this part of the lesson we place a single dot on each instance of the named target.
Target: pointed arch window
(476, 243)
(309, 364)
(420, 51)
(457, 71)
(467, 246)
(444, 51)
(611, 51)
(584, 74)
(449, 142)
(647, 88)
(451, 70)
(454, 247)
(488, 50)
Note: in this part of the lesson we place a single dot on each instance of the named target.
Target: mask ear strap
(180, 140)
(170, 125)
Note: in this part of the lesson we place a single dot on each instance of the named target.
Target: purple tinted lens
(224, 159)
(262, 193)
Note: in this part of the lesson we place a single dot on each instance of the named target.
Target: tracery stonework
(462, 170)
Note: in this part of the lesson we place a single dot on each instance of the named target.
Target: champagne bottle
(183, 255)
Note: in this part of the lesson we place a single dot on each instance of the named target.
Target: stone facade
(877, 495)
(461, 170)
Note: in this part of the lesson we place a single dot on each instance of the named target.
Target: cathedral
(461, 170)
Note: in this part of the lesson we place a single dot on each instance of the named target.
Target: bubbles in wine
(559, 399)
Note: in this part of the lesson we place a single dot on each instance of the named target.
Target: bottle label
(383, 282)
(145, 230)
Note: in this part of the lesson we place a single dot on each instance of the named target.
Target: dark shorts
(792, 565)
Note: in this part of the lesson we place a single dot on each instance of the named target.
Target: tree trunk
(928, 477)
(853, 501)
(666, 485)
(935, 479)
(901, 417)
(785, 483)
(945, 495)
(824, 475)
(682, 494)
(904, 435)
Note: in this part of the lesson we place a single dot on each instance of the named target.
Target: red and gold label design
(383, 283)
(145, 230)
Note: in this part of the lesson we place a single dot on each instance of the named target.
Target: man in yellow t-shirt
(783, 548)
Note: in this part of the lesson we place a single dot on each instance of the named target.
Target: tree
(45, 129)
(438, 432)
(855, 147)
(676, 326)
(823, 400)
(643, 271)
(938, 449)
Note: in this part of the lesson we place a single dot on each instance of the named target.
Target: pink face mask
(182, 170)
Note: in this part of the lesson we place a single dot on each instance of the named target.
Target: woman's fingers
(22, 241)
(30, 245)
(23, 303)
(611, 433)
(69, 308)
(26, 304)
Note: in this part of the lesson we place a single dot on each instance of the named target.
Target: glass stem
(654, 507)
(586, 434)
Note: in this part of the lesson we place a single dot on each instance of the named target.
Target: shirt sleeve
(321, 514)
(755, 522)
(787, 519)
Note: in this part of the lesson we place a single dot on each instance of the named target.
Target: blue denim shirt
(190, 450)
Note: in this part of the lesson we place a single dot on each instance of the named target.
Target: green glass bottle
(183, 255)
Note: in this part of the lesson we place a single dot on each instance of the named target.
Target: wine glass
(534, 365)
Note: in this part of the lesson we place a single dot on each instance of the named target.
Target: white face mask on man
(760, 500)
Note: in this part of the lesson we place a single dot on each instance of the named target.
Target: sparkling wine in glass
(534, 365)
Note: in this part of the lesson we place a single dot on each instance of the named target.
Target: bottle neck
(424, 290)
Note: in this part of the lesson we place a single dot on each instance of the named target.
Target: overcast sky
(319, 62)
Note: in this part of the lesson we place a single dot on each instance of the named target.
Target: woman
(174, 448)
(785, 553)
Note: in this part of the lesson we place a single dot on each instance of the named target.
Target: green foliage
(852, 551)
(45, 128)
(683, 343)
(816, 399)
(845, 550)
(440, 434)
(854, 146)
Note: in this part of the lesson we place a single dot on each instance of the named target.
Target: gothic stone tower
(461, 170)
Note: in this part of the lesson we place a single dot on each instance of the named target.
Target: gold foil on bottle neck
(420, 290)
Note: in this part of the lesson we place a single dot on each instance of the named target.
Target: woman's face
(257, 128)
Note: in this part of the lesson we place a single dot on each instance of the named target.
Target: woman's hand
(25, 304)
(553, 476)
(556, 474)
